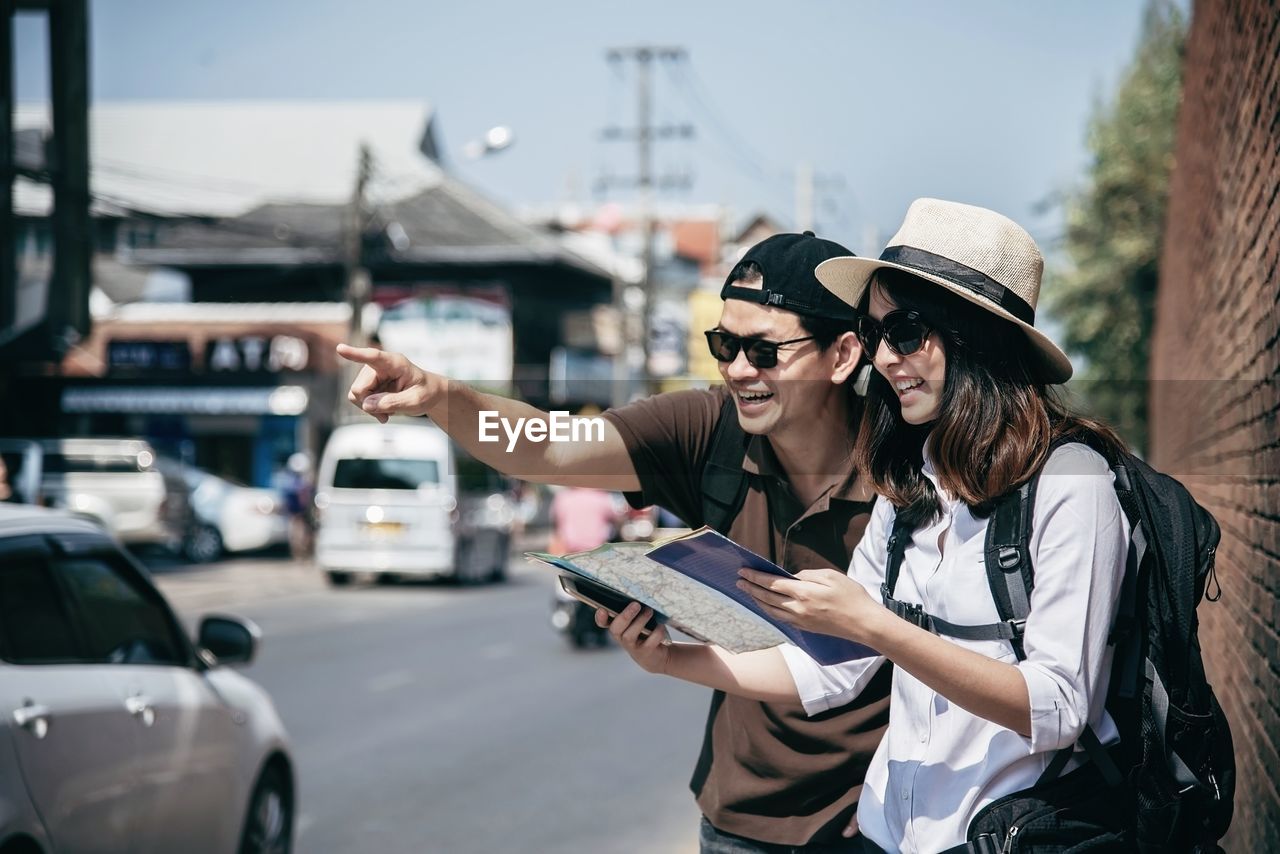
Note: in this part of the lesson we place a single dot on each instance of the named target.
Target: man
(769, 779)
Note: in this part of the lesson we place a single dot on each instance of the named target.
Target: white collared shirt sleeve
(1078, 546)
(823, 688)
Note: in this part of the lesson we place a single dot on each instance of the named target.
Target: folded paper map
(692, 581)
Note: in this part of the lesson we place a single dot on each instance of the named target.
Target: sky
(982, 101)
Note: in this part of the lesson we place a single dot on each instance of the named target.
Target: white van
(386, 502)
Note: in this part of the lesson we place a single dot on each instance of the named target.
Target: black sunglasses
(902, 330)
(761, 353)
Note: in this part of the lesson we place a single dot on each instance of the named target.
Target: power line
(746, 159)
(645, 132)
(690, 88)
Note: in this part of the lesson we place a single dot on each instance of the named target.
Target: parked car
(117, 483)
(227, 516)
(117, 732)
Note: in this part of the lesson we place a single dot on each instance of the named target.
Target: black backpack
(1175, 760)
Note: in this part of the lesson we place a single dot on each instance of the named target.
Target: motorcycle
(576, 621)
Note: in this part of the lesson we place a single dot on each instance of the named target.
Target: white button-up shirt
(938, 765)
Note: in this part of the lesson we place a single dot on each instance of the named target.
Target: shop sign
(256, 354)
(133, 356)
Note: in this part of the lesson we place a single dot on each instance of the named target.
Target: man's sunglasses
(902, 330)
(760, 352)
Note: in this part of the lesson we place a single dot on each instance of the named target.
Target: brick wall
(1216, 370)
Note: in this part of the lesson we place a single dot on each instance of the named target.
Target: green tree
(1105, 292)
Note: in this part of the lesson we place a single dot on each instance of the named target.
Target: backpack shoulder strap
(724, 483)
(899, 539)
(1010, 573)
(1011, 577)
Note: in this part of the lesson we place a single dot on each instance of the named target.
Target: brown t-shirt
(767, 771)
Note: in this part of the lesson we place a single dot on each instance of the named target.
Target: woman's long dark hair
(996, 421)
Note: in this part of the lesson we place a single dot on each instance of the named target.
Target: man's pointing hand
(389, 384)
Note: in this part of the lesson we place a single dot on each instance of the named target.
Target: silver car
(117, 733)
(226, 516)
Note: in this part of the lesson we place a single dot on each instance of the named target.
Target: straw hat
(975, 253)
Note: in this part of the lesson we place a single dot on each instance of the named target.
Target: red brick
(1218, 272)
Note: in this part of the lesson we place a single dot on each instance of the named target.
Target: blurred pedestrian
(582, 518)
(6, 491)
(299, 500)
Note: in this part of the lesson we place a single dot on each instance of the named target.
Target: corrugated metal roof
(449, 223)
(224, 158)
(266, 183)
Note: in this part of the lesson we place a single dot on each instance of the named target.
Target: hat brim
(848, 278)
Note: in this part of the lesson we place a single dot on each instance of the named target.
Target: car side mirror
(231, 640)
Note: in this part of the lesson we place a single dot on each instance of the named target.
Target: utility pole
(357, 281)
(358, 285)
(644, 133)
(68, 312)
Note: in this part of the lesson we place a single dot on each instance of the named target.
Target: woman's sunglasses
(760, 352)
(902, 330)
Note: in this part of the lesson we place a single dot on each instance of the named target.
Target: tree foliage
(1105, 293)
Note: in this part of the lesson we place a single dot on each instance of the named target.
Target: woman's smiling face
(917, 379)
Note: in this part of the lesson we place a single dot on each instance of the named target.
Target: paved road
(430, 718)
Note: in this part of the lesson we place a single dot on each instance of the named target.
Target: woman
(958, 414)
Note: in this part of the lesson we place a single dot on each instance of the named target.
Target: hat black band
(777, 300)
(961, 276)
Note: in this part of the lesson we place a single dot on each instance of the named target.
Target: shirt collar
(927, 469)
(760, 460)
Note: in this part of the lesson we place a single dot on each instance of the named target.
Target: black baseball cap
(788, 262)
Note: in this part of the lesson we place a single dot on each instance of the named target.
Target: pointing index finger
(363, 355)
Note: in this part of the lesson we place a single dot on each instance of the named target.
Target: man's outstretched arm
(488, 426)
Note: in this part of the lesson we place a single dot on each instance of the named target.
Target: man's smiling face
(788, 395)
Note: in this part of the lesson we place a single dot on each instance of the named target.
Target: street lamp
(494, 140)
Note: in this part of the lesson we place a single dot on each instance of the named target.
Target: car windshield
(361, 473)
(105, 464)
